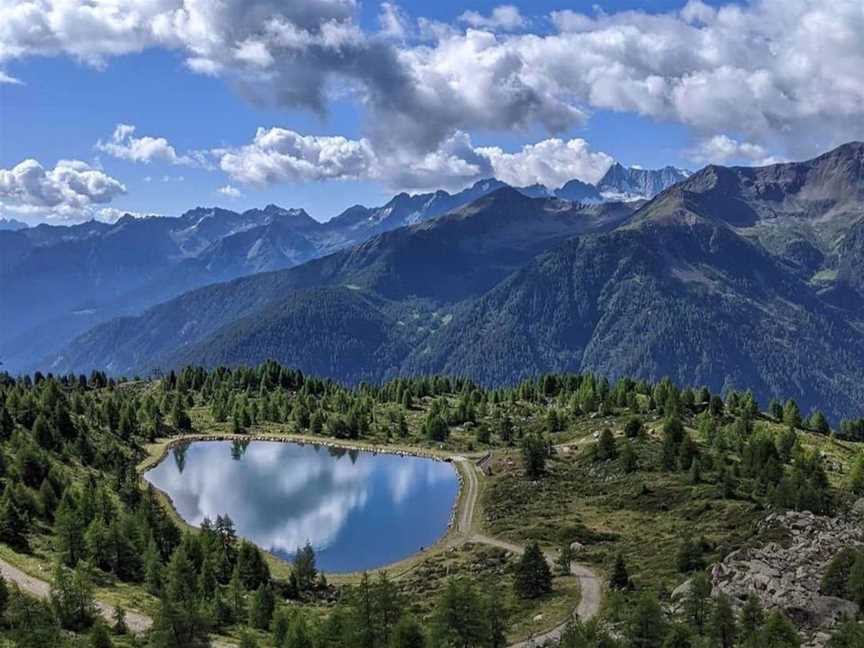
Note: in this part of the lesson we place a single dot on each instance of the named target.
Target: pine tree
(606, 448)
(848, 634)
(281, 626)
(435, 428)
(47, 500)
(99, 637)
(495, 620)
(119, 627)
(565, 557)
(678, 636)
(458, 619)
(835, 581)
(237, 596)
(855, 584)
(695, 476)
(408, 634)
(13, 523)
(619, 578)
(752, 619)
(633, 428)
(208, 584)
(856, 476)
(629, 459)
(818, 423)
(533, 576)
(299, 636)
(646, 627)
(723, 627)
(775, 410)
(689, 556)
(253, 568)
(687, 452)
(777, 632)
(69, 530)
(263, 604)
(304, 568)
(180, 418)
(792, 414)
(72, 598)
(152, 568)
(387, 606)
(698, 602)
(534, 456)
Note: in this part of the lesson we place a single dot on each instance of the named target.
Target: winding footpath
(463, 531)
(590, 584)
(135, 621)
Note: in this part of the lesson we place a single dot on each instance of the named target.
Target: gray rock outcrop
(787, 575)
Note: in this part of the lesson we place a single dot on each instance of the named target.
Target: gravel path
(589, 603)
(138, 623)
(589, 582)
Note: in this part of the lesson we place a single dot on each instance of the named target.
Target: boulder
(788, 577)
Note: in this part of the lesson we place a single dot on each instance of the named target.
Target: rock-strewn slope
(787, 575)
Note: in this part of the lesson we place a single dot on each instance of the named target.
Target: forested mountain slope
(59, 281)
(734, 276)
(680, 298)
(443, 261)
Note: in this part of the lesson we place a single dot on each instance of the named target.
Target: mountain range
(57, 282)
(733, 276)
(7, 224)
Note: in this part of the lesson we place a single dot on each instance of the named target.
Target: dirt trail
(138, 623)
(589, 582)
(589, 603)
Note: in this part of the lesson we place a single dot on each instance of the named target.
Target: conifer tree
(261, 610)
(751, 621)
(792, 414)
(304, 570)
(723, 626)
(13, 522)
(646, 626)
(534, 456)
(533, 576)
(72, 598)
(697, 603)
(408, 634)
(777, 632)
(152, 568)
(236, 596)
(606, 448)
(619, 578)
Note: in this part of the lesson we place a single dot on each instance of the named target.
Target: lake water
(359, 510)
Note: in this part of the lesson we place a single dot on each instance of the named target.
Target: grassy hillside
(561, 460)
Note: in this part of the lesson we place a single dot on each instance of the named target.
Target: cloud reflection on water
(280, 495)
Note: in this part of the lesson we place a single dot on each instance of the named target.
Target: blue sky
(699, 96)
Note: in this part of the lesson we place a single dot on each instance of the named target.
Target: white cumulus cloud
(278, 155)
(230, 191)
(71, 184)
(786, 75)
(281, 155)
(552, 162)
(124, 145)
(505, 18)
(721, 149)
(393, 22)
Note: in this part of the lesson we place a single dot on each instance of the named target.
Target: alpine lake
(359, 510)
